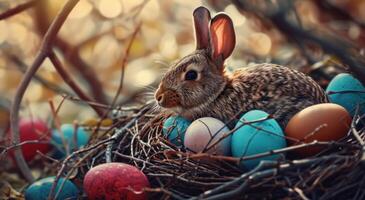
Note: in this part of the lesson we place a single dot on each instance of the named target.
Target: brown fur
(277, 90)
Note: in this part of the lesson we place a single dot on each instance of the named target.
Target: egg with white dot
(208, 135)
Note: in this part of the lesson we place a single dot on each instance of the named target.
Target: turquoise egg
(40, 189)
(258, 137)
(348, 92)
(174, 129)
(68, 130)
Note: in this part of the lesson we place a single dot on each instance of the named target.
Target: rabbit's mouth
(167, 98)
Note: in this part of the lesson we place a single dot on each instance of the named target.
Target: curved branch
(41, 55)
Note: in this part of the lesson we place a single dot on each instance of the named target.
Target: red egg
(34, 129)
(115, 181)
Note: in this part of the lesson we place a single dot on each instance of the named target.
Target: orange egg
(321, 122)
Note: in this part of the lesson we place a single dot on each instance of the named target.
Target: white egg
(202, 136)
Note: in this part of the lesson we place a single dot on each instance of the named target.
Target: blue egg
(348, 92)
(174, 128)
(40, 189)
(258, 137)
(68, 130)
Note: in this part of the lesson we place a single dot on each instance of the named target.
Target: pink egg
(115, 181)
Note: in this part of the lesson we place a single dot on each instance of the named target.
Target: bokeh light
(259, 43)
(82, 9)
(110, 8)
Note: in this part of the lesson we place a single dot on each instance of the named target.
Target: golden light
(110, 8)
(17, 33)
(145, 77)
(151, 11)
(259, 43)
(34, 92)
(106, 51)
(168, 46)
(237, 18)
(3, 32)
(82, 9)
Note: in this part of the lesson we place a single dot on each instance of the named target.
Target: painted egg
(34, 130)
(40, 189)
(348, 92)
(174, 128)
(321, 122)
(261, 136)
(70, 141)
(115, 181)
(208, 134)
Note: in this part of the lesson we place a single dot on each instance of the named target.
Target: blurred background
(93, 45)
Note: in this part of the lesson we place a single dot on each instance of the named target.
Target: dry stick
(83, 69)
(41, 55)
(18, 9)
(67, 78)
(120, 132)
(48, 84)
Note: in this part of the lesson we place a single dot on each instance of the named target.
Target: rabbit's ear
(201, 22)
(222, 36)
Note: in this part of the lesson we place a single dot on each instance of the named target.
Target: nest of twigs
(136, 138)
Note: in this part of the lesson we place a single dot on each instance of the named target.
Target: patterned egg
(71, 141)
(321, 122)
(174, 128)
(33, 130)
(115, 181)
(257, 137)
(203, 136)
(348, 92)
(40, 189)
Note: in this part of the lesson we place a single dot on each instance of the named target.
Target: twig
(41, 55)
(84, 69)
(23, 67)
(67, 78)
(120, 132)
(18, 9)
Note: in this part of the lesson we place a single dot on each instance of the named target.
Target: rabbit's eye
(191, 75)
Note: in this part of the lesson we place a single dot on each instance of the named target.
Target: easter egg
(40, 189)
(174, 129)
(321, 122)
(69, 141)
(257, 137)
(33, 130)
(115, 181)
(348, 92)
(203, 136)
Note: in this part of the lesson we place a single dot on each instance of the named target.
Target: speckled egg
(205, 132)
(348, 92)
(174, 129)
(115, 181)
(40, 189)
(257, 137)
(321, 122)
(72, 141)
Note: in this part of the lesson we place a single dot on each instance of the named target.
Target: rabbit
(198, 86)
